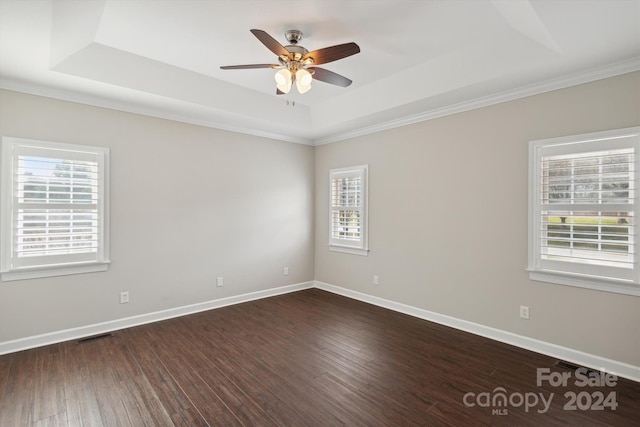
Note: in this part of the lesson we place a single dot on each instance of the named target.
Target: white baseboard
(620, 369)
(127, 322)
(575, 356)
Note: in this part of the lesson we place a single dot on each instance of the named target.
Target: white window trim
(589, 281)
(7, 272)
(362, 247)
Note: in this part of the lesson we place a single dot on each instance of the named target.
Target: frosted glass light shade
(283, 80)
(303, 80)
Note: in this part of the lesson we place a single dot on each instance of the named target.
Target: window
(583, 213)
(348, 216)
(54, 207)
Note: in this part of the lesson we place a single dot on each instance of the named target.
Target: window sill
(349, 250)
(587, 282)
(52, 271)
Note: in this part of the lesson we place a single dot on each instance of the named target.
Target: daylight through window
(584, 208)
(348, 216)
(53, 206)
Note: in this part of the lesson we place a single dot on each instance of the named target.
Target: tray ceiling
(418, 58)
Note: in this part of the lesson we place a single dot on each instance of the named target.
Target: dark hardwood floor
(308, 358)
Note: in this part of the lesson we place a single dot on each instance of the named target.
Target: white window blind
(54, 206)
(348, 216)
(584, 207)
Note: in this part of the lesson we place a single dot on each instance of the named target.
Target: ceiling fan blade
(279, 92)
(271, 43)
(333, 53)
(330, 77)
(248, 66)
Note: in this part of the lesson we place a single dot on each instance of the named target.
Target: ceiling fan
(298, 65)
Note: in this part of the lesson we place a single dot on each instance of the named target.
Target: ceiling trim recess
(131, 107)
(586, 76)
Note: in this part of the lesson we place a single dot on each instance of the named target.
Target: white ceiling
(418, 59)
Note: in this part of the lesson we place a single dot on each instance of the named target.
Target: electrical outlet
(376, 280)
(220, 281)
(286, 271)
(124, 297)
(524, 312)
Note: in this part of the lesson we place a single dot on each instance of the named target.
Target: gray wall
(188, 204)
(448, 218)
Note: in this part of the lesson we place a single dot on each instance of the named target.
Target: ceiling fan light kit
(303, 80)
(283, 80)
(297, 64)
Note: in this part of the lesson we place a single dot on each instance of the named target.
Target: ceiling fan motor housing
(294, 60)
(297, 52)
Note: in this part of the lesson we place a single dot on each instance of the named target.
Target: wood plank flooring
(309, 358)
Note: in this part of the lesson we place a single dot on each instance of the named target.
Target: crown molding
(132, 107)
(586, 76)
